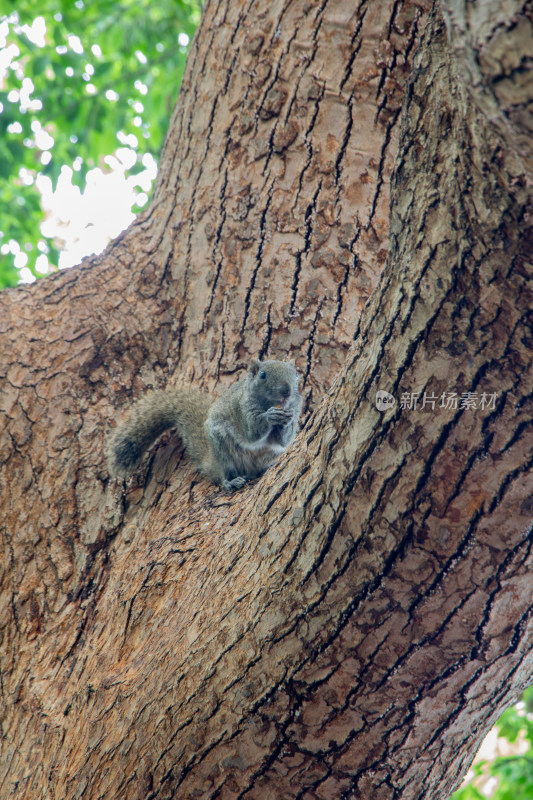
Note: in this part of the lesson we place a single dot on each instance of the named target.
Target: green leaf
(121, 30)
(514, 773)
(9, 275)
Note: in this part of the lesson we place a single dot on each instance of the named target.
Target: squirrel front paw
(235, 483)
(277, 415)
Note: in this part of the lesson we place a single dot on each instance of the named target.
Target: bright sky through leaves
(86, 92)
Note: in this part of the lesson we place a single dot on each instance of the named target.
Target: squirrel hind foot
(235, 483)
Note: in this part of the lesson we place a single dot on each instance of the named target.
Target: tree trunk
(352, 624)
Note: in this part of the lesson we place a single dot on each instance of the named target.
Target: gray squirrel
(230, 440)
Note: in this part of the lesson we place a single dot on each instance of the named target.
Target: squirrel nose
(285, 390)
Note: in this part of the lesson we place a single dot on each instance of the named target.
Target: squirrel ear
(254, 366)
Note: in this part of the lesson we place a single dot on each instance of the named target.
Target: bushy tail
(150, 417)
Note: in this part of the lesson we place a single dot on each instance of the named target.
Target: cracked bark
(351, 625)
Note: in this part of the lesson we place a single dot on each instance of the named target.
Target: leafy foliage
(514, 773)
(84, 78)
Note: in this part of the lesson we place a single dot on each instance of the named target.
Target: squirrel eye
(262, 374)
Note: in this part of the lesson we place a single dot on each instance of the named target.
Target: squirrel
(230, 440)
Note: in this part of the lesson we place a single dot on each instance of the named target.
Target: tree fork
(352, 624)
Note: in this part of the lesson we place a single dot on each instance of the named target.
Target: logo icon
(384, 400)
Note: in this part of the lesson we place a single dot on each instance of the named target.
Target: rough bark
(350, 625)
